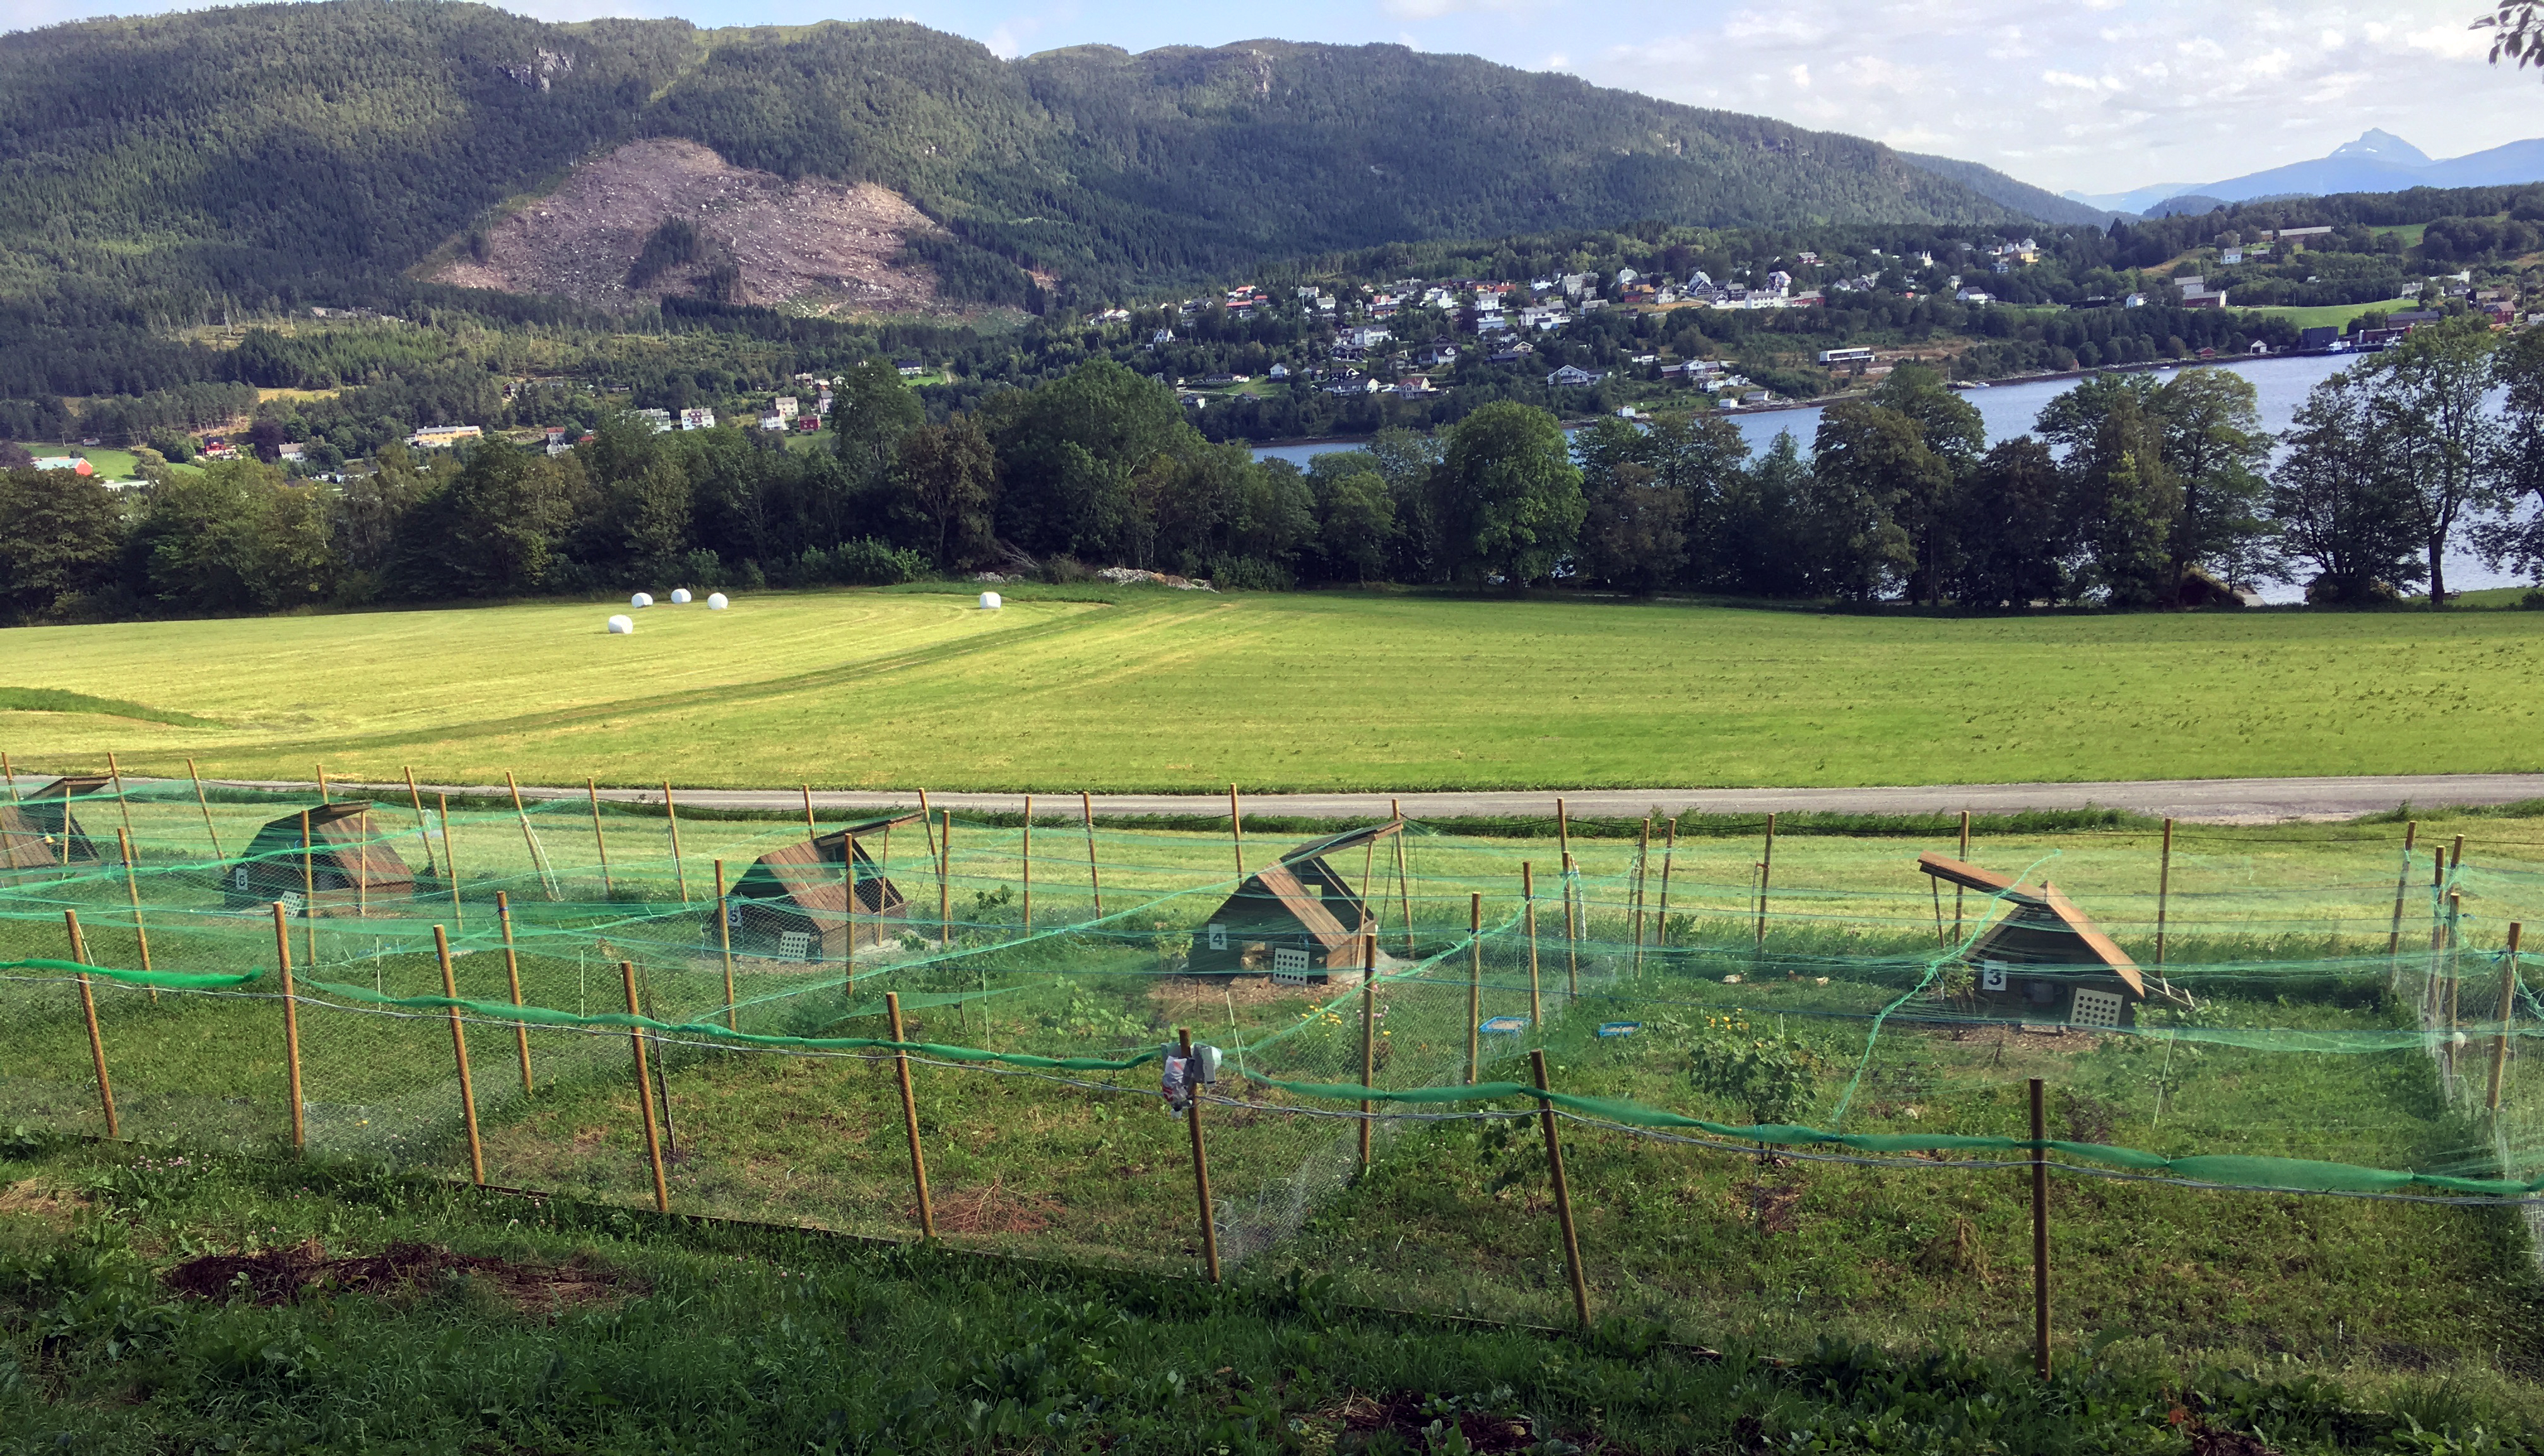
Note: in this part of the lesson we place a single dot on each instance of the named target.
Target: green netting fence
(1791, 1073)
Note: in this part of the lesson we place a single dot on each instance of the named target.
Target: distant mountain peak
(2381, 145)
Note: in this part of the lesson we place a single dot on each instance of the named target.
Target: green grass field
(1155, 689)
(2335, 315)
(111, 465)
(544, 1324)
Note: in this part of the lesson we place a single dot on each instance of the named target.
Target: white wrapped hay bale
(621, 625)
(990, 602)
(716, 601)
(680, 596)
(641, 599)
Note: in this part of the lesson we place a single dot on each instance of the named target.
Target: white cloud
(2453, 41)
(1776, 27)
(1802, 76)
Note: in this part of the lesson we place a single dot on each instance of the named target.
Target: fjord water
(2009, 410)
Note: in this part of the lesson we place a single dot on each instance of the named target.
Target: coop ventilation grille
(1289, 965)
(2094, 1009)
(794, 945)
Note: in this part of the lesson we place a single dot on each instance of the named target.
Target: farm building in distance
(39, 831)
(2045, 961)
(324, 862)
(1297, 920)
(792, 903)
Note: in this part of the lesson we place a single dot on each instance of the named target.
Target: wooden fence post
(724, 940)
(291, 1030)
(599, 842)
(2040, 1234)
(513, 979)
(88, 1009)
(645, 1093)
(1367, 1034)
(1562, 1194)
(1024, 863)
(2163, 893)
(1403, 874)
(847, 954)
(1201, 1154)
(1642, 872)
(1956, 889)
(423, 827)
(811, 832)
(2401, 881)
(308, 890)
(451, 863)
(1571, 934)
(910, 1117)
(1528, 904)
(1237, 831)
(123, 805)
(133, 888)
(1094, 881)
(201, 802)
(1766, 873)
(9, 776)
(1669, 854)
(945, 881)
(1474, 985)
(2455, 979)
(323, 796)
(530, 839)
(460, 1053)
(671, 818)
(2508, 1015)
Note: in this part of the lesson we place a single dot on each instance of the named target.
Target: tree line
(2127, 493)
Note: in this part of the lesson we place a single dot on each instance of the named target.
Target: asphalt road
(2194, 800)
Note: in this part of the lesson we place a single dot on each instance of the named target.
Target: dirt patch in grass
(992, 1210)
(1422, 1425)
(37, 1200)
(281, 1275)
(1773, 1206)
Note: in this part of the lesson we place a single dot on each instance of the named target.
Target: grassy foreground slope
(1151, 689)
(513, 1324)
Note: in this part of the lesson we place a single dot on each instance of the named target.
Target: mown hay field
(1148, 689)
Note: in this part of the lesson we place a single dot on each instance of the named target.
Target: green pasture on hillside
(1144, 688)
(111, 465)
(2333, 315)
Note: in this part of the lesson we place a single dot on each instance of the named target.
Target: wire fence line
(2334, 1017)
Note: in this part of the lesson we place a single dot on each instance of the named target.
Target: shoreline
(1818, 402)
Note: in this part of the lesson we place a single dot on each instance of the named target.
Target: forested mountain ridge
(153, 168)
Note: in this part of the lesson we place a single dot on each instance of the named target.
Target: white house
(697, 420)
(1573, 376)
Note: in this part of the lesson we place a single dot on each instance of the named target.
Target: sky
(2098, 96)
